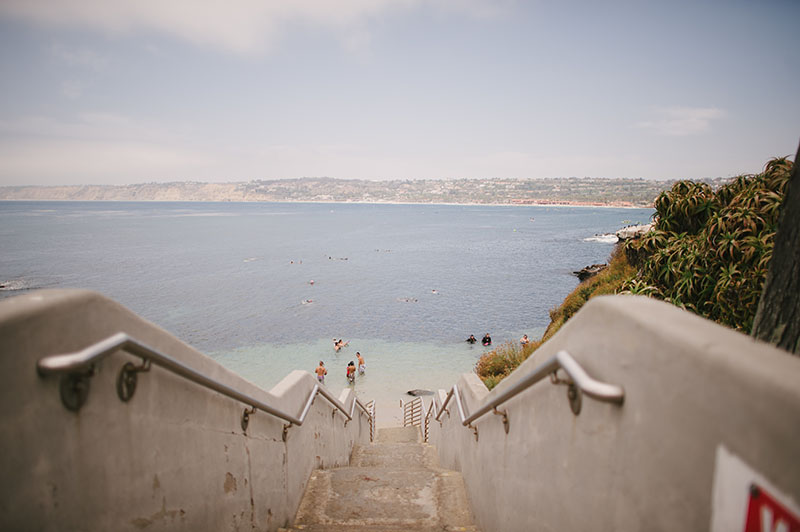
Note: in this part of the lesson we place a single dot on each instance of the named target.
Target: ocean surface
(263, 288)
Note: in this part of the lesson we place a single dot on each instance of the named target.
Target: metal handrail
(371, 407)
(601, 391)
(412, 412)
(85, 359)
(427, 420)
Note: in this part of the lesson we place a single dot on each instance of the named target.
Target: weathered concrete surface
(174, 457)
(388, 414)
(395, 484)
(694, 391)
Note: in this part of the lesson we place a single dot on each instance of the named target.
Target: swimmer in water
(338, 344)
(351, 372)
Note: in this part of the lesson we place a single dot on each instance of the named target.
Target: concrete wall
(173, 458)
(700, 399)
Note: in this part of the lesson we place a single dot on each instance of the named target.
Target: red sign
(765, 514)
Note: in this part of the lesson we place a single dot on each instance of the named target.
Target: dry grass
(495, 365)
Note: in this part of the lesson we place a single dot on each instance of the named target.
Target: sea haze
(406, 284)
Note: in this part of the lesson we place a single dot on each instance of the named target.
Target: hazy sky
(113, 91)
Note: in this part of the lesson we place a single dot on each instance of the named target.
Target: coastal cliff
(551, 191)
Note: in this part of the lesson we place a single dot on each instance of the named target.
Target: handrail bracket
(574, 395)
(127, 379)
(286, 428)
(246, 417)
(503, 413)
(74, 388)
(555, 379)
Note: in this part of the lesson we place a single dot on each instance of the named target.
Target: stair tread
(398, 455)
(364, 496)
(399, 435)
(379, 528)
(395, 484)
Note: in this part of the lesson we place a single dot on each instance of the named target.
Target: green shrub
(710, 251)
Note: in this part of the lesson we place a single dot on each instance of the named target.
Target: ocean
(264, 288)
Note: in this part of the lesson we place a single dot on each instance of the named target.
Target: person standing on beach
(321, 372)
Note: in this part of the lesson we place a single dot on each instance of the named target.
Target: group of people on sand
(350, 374)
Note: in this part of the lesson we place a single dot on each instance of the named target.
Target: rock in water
(634, 231)
(590, 271)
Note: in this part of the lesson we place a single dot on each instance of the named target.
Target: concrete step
(395, 455)
(393, 485)
(380, 497)
(377, 528)
(399, 435)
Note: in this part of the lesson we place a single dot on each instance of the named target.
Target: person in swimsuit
(472, 339)
(524, 340)
(321, 372)
(339, 344)
(362, 366)
(487, 340)
(351, 372)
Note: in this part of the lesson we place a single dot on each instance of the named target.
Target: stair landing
(394, 484)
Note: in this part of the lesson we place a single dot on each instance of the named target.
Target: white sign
(743, 500)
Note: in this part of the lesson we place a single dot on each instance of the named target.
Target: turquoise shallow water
(405, 284)
(393, 367)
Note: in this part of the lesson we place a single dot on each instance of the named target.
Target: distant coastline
(552, 192)
(588, 205)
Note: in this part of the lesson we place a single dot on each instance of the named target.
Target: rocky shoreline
(626, 233)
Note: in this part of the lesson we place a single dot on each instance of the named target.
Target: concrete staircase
(392, 485)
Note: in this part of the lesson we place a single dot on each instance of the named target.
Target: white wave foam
(609, 238)
(15, 284)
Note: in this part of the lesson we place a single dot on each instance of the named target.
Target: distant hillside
(578, 191)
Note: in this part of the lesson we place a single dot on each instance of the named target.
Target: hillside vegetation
(708, 253)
